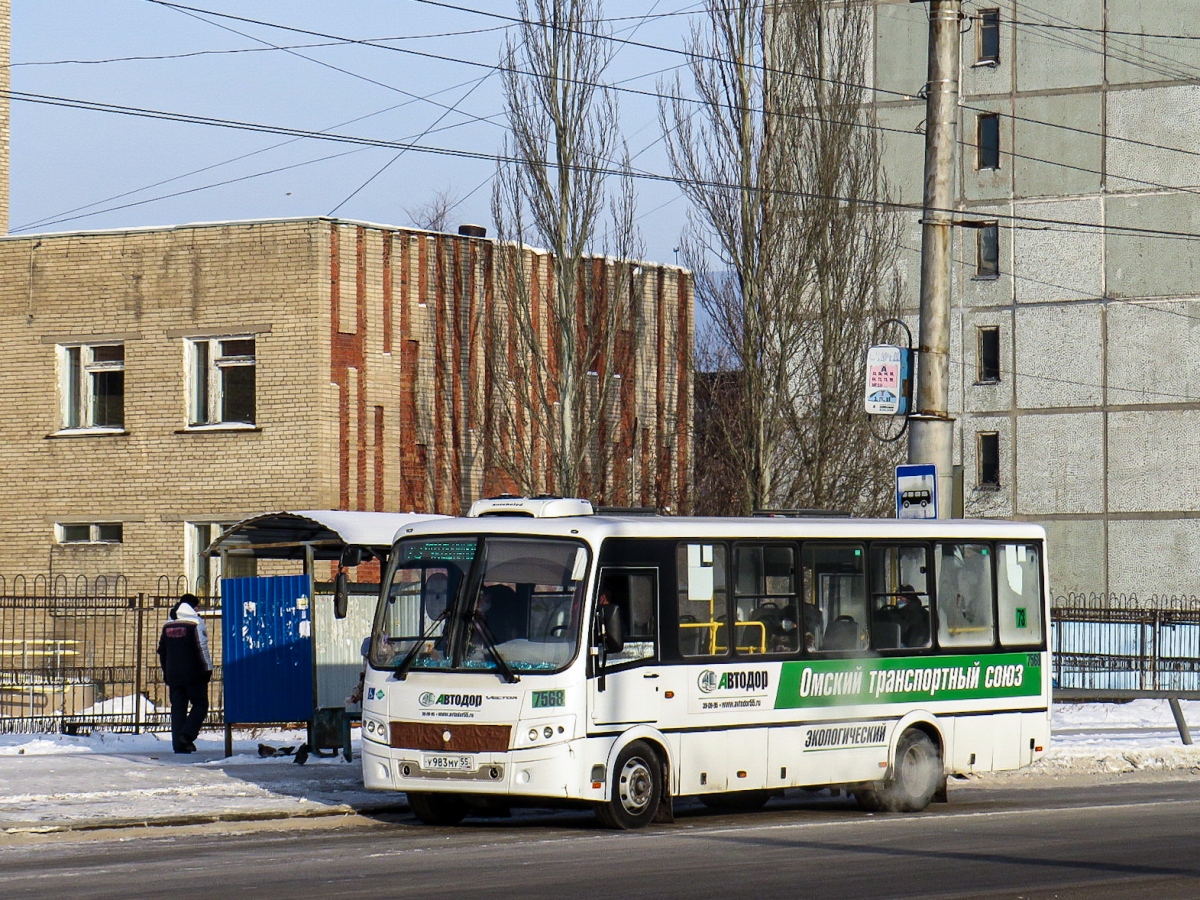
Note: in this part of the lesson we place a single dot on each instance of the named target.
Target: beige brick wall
(348, 416)
(153, 288)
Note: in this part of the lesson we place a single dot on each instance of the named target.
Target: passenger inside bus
(500, 608)
(913, 618)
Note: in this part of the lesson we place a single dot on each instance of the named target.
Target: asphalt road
(1092, 838)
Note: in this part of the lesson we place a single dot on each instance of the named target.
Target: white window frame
(94, 533)
(78, 370)
(207, 368)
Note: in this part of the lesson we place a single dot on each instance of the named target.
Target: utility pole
(931, 434)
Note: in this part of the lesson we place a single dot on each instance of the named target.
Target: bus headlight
(375, 730)
(542, 733)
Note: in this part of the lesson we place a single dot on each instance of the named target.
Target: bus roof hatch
(534, 507)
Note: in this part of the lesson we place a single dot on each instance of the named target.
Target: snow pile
(1110, 738)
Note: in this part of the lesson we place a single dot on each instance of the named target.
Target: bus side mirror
(341, 595)
(612, 634)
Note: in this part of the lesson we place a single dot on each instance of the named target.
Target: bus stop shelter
(288, 655)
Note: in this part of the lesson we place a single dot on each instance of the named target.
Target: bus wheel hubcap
(635, 786)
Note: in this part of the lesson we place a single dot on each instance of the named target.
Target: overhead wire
(1079, 225)
(140, 112)
(644, 45)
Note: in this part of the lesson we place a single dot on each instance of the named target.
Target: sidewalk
(57, 783)
(105, 780)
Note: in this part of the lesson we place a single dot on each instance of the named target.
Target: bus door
(625, 686)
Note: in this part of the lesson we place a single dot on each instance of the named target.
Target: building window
(988, 141)
(988, 50)
(221, 376)
(988, 252)
(205, 572)
(95, 533)
(988, 459)
(989, 354)
(92, 385)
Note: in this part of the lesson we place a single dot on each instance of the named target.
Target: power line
(1108, 31)
(1087, 227)
(671, 50)
(65, 215)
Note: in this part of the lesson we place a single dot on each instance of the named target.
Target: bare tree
(434, 213)
(566, 317)
(794, 254)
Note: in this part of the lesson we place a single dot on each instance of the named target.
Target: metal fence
(1123, 643)
(72, 663)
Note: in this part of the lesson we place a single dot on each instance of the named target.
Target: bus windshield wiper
(410, 657)
(489, 642)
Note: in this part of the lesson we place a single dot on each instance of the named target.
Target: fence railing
(78, 662)
(70, 663)
(1127, 648)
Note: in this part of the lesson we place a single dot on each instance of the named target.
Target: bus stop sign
(916, 491)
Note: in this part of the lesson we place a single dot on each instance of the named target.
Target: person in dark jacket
(914, 618)
(187, 670)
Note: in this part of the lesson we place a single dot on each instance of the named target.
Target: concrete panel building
(1076, 326)
(160, 383)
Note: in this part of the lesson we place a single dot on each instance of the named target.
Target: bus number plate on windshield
(441, 762)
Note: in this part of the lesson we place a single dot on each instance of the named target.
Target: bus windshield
(494, 602)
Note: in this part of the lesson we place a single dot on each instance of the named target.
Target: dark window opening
(989, 35)
(989, 460)
(989, 354)
(988, 142)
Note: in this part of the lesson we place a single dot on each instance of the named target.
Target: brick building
(162, 382)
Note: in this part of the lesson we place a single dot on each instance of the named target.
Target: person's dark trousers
(185, 725)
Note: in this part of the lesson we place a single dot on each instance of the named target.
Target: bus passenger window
(1019, 594)
(964, 595)
(899, 596)
(834, 597)
(702, 600)
(764, 579)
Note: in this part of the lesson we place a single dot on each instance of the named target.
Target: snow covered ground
(51, 782)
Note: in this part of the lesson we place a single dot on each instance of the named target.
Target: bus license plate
(442, 762)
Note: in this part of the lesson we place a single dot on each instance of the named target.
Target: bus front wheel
(437, 809)
(636, 789)
(918, 775)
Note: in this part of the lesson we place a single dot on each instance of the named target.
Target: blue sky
(80, 169)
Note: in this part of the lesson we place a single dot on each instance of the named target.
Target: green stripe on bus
(839, 682)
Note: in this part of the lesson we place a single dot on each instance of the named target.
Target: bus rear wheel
(636, 789)
(437, 809)
(918, 775)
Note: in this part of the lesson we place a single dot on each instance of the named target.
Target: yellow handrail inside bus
(715, 648)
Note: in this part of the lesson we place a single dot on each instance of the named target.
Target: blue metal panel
(267, 629)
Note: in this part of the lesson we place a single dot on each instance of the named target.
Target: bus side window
(633, 593)
(703, 600)
(764, 578)
(899, 596)
(964, 595)
(834, 596)
(1019, 593)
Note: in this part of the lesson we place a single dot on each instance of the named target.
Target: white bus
(533, 653)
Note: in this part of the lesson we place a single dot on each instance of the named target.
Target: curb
(204, 819)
